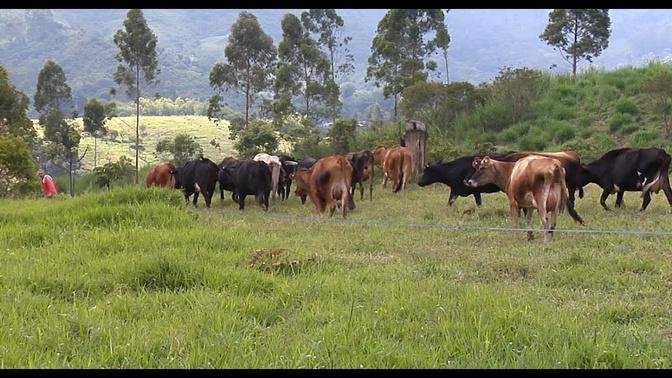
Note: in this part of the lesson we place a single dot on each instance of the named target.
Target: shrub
(618, 120)
(629, 129)
(626, 106)
(511, 134)
(441, 149)
(645, 138)
(341, 135)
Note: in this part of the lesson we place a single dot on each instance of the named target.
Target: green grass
(135, 278)
(152, 129)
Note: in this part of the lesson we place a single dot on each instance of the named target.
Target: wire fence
(462, 228)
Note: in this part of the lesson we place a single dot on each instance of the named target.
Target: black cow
(251, 177)
(631, 170)
(197, 176)
(362, 170)
(226, 181)
(453, 174)
(289, 167)
(305, 163)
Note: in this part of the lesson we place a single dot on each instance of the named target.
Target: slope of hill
(121, 140)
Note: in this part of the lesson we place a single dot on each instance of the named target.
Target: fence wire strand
(462, 228)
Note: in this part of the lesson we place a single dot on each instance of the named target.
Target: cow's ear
(486, 160)
(476, 162)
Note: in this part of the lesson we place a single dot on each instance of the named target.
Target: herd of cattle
(546, 181)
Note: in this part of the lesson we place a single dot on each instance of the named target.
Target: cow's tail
(559, 177)
(401, 173)
(344, 194)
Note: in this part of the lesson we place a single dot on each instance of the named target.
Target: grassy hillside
(133, 278)
(152, 129)
(598, 111)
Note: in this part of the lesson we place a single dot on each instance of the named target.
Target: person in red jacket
(47, 183)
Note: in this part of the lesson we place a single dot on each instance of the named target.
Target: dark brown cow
(327, 182)
(362, 170)
(398, 165)
(162, 175)
(533, 182)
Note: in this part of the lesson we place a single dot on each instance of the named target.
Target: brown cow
(533, 182)
(573, 170)
(327, 182)
(379, 155)
(398, 165)
(162, 175)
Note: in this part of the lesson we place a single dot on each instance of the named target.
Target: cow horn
(290, 162)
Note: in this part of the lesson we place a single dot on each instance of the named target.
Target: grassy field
(152, 129)
(134, 278)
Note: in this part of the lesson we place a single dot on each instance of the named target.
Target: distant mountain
(192, 41)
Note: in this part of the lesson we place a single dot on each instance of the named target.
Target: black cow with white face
(197, 176)
(250, 177)
(630, 170)
(453, 174)
(289, 167)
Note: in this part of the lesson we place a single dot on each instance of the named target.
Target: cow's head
(431, 174)
(484, 174)
(176, 177)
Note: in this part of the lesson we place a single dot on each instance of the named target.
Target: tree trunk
(445, 59)
(395, 107)
(95, 151)
(576, 36)
(137, 120)
(333, 78)
(71, 183)
(247, 94)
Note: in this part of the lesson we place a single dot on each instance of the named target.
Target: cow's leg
(619, 198)
(195, 199)
(351, 201)
(371, 188)
(320, 205)
(385, 180)
(646, 200)
(542, 199)
(667, 190)
(603, 198)
(528, 220)
(208, 198)
(303, 199)
(241, 201)
(361, 190)
(288, 189)
(515, 213)
(570, 204)
(477, 197)
(221, 193)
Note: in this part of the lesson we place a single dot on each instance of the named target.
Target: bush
(629, 129)
(560, 131)
(441, 149)
(511, 134)
(17, 170)
(626, 106)
(341, 135)
(645, 138)
(258, 136)
(618, 120)
(535, 140)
